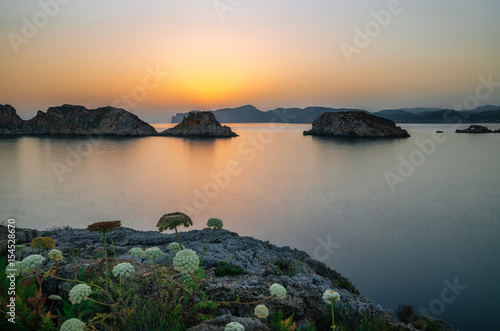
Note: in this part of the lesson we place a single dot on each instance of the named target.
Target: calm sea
(409, 221)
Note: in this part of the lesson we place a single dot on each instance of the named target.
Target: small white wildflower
(186, 261)
(215, 223)
(261, 311)
(278, 290)
(136, 251)
(54, 297)
(234, 326)
(17, 268)
(56, 254)
(73, 324)
(153, 253)
(79, 293)
(330, 296)
(32, 261)
(174, 247)
(123, 269)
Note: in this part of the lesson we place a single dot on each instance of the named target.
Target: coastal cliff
(260, 264)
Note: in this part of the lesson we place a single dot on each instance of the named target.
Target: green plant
(405, 313)
(286, 267)
(104, 227)
(277, 323)
(330, 297)
(225, 269)
(344, 283)
(171, 221)
(43, 242)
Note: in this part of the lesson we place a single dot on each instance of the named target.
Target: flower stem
(112, 243)
(333, 318)
(106, 256)
(178, 238)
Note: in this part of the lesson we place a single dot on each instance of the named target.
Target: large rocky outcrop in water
(200, 124)
(355, 124)
(75, 120)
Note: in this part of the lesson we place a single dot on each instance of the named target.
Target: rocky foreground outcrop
(477, 129)
(75, 120)
(305, 281)
(354, 124)
(200, 124)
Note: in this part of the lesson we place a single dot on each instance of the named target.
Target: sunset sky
(159, 57)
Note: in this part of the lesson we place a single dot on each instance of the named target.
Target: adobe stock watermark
(325, 248)
(425, 148)
(152, 80)
(448, 295)
(417, 157)
(222, 178)
(222, 7)
(32, 25)
(372, 29)
(74, 156)
(483, 91)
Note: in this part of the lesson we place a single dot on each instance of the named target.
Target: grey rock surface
(305, 282)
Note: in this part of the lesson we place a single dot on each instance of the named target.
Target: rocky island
(74, 120)
(477, 129)
(354, 124)
(200, 124)
(237, 270)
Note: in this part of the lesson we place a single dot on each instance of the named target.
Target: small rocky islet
(262, 263)
(477, 129)
(199, 124)
(355, 124)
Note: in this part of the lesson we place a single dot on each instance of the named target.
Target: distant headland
(250, 114)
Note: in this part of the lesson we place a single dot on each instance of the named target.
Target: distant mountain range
(250, 114)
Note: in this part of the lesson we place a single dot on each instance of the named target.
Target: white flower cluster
(153, 253)
(234, 326)
(215, 223)
(56, 254)
(73, 324)
(186, 261)
(32, 261)
(54, 297)
(330, 296)
(174, 247)
(137, 252)
(261, 311)
(17, 268)
(278, 290)
(123, 269)
(79, 293)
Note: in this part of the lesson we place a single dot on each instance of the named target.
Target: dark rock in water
(439, 131)
(355, 124)
(475, 129)
(200, 124)
(10, 122)
(75, 120)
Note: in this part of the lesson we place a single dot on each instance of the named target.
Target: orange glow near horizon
(268, 54)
